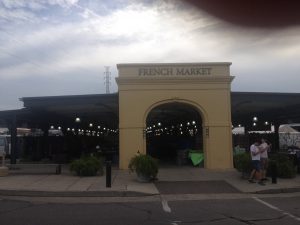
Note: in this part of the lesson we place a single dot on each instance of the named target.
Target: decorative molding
(174, 80)
(173, 64)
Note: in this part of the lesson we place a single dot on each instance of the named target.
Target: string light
(173, 129)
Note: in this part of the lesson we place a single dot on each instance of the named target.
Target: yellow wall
(140, 92)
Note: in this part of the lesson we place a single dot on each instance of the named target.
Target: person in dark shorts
(255, 160)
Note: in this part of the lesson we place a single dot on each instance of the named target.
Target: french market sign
(174, 71)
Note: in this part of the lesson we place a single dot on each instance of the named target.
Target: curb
(116, 193)
(277, 191)
(74, 193)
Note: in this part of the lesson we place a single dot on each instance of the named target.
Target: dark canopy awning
(62, 110)
(272, 107)
(104, 109)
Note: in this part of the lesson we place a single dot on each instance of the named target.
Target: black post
(274, 173)
(108, 173)
(276, 144)
(58, 169)
(45, 141)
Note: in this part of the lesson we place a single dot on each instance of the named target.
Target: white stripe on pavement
(277, 209)
(165, 205)
(175, 222)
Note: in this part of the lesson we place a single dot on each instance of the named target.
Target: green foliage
(144, 165)
(285, 166)
(87, 166)
(242, 162)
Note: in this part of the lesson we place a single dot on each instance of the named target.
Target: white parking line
(165, 205)
(277, 209)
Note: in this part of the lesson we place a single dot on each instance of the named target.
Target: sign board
(174, 71)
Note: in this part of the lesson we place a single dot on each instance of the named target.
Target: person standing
(255, 160)
(264, 148)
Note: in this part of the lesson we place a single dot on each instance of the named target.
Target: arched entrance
(173, 133)
(204, 86)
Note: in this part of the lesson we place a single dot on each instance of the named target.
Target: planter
(143, 178)
(145, 167)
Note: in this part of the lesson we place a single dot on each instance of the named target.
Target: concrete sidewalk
(126, 184)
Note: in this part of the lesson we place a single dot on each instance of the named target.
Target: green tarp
(196, 157)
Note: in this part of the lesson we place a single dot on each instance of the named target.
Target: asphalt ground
(251, 210)
(195, 187)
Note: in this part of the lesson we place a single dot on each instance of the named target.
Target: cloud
(70, 42)
(24, 11)
(119, 30)
(16, 14)
(36, 4)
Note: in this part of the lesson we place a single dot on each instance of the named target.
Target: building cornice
(174, 80)
(173, 64)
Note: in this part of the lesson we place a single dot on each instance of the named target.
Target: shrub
(242, 162)
(285, 166)
(144, 165)
(87, 166)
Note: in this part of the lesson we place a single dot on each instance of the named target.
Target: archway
(174, 134)
(204, 86)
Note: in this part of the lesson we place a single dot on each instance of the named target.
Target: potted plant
(145, 167)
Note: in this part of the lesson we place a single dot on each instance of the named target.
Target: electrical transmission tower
(107, 79)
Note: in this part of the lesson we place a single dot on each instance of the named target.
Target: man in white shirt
(255, 156)
(264, 148)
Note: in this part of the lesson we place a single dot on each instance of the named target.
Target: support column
(131, 142)
(275, 146)
(45, 145)
(218, 147)
(13, 133)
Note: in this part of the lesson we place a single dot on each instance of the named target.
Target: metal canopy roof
(272, 107)
(104, 109)
(97, 109)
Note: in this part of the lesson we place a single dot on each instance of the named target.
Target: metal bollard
(58, 169)
(274, 173)
(108, 174)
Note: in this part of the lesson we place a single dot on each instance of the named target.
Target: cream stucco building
(204, 87)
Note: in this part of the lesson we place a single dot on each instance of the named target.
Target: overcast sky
(60, 47)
